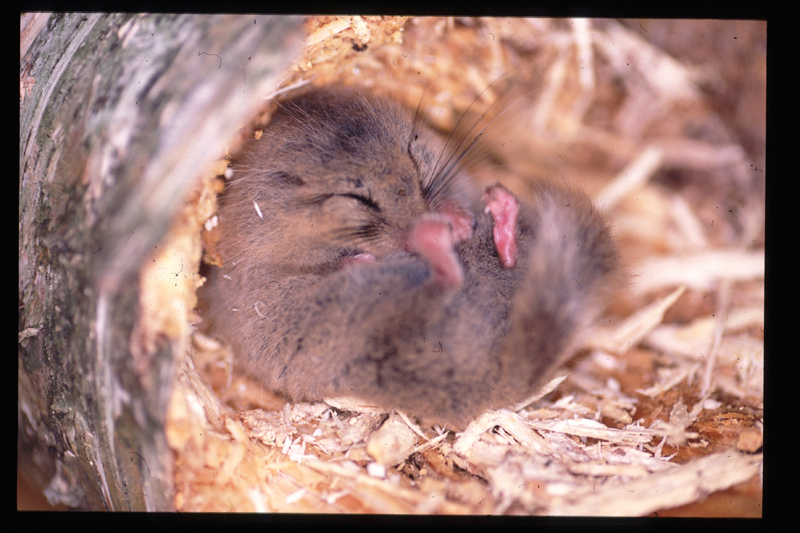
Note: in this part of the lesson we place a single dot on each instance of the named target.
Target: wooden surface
(119, 114)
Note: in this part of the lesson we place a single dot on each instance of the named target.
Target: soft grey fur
(337, 175)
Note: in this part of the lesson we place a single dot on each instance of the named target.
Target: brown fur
(341, 179)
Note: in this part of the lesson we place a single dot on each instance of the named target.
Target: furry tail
(570, 265)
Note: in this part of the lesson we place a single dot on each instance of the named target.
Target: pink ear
(505, 210)
(434, 241)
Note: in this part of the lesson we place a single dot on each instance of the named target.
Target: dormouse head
(337, 173)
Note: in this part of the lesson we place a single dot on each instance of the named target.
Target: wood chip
(664, 490)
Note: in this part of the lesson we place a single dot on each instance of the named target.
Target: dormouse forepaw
(459, 218)
(504, 208)
(433, 239)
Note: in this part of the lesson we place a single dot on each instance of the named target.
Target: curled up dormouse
(353, 266)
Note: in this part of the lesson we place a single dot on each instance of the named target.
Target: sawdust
(662, 406)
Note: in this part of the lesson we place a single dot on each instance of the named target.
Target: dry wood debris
(664, 404)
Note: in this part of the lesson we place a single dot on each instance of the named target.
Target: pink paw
(460, 220)
(505, 212)
(434, 240)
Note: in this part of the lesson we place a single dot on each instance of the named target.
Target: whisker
(461, 156)
(460, 119)
(478, 137)
(442, 173)
(417, 118)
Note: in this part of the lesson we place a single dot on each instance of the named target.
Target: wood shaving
(662, 407)
(629, 333)
(630, 179)
(675, 487)
(700, 270)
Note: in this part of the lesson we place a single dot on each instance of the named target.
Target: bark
(119, 113)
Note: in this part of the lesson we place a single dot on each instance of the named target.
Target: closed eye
(367, 201)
